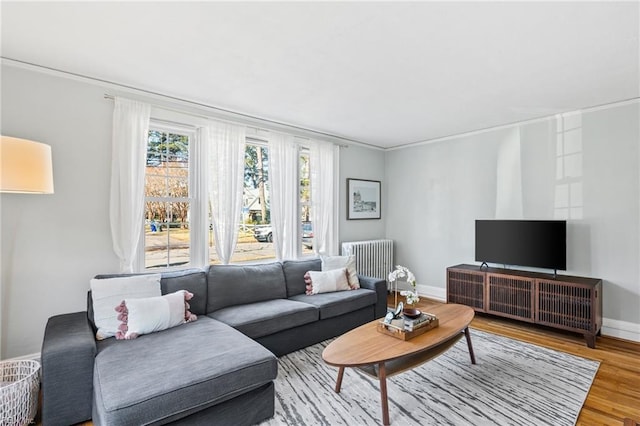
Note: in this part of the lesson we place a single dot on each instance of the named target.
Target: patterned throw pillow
(326, 281)
(148, 315)
(337, 262)
(108, 292)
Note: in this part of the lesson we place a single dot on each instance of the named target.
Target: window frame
(184, 130)
(263, 142)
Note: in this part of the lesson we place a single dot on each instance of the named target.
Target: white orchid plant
(404, 272)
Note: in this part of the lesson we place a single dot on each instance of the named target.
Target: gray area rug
(513, 383)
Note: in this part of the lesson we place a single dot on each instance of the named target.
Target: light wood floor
(615, 393)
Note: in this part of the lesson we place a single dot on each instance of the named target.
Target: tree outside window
(167, 241)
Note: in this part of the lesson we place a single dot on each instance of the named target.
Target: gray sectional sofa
(217, 370)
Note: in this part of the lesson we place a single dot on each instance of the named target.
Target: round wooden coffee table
(382, 356)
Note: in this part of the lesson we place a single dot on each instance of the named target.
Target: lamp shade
(25, 166)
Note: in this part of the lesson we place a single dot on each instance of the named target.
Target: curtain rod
(193, 114)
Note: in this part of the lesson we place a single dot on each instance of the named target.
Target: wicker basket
(19, 386)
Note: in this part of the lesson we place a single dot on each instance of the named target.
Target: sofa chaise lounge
(217, 370)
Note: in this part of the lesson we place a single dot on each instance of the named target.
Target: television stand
(558, 301)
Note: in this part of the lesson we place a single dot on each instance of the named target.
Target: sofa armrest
(68, 353)
(380, 287)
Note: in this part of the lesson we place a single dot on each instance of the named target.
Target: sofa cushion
(180, 370)
(231, 285)
(107, 293)
(338, 303)
(264, 318)
(294, 271)
(192, 280)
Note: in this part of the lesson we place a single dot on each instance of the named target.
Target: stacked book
(405, 328)
(411, 324)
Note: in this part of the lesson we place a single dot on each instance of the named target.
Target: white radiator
(374, 258)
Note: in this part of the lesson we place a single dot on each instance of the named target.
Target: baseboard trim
(431, 292)
(621, 329)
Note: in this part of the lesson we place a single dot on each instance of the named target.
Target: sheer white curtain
(323, 159)
(226, 177)
(285, 186)
(128, 159)
(199, 184)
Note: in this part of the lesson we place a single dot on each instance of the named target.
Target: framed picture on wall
(363, 199)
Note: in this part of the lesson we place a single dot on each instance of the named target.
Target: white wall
(53, 244)
(452, 183)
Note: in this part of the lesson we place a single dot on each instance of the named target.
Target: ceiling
(381, 73)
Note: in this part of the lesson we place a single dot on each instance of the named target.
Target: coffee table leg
(468, 336)
(382, 374)
(339, 381)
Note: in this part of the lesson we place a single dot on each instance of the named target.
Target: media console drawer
(565, 302)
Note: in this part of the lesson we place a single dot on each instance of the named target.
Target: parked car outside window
(263, 233)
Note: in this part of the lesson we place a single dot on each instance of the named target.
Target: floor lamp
(25, 168)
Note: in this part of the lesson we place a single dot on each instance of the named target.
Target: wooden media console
(565, 302)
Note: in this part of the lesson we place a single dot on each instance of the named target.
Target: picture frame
(363, 199)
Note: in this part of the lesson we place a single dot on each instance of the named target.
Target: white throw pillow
(151, 314)
(327, 281)
(336, 262)
(107, 293)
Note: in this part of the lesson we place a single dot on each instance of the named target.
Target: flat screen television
(534, 243)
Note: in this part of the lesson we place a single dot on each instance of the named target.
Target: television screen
(535, 243)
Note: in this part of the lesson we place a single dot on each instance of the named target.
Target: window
(255, 237)
(173, 231)
(167, 202)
